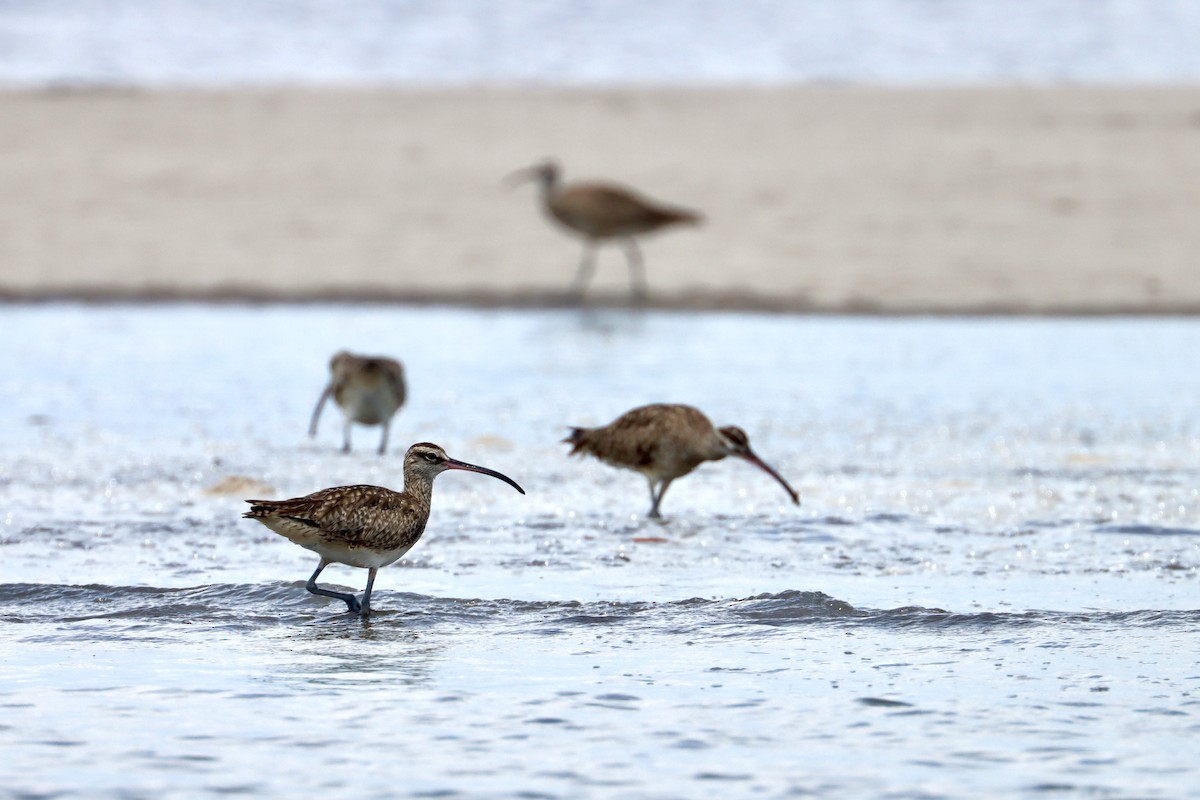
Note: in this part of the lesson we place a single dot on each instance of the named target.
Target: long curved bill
(453, 463)
(765, 467)
(514, 179)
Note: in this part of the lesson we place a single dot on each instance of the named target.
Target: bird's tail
(681, 216)
(578, 439)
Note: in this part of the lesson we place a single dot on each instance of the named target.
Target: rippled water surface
(221, 42)
(990, 588)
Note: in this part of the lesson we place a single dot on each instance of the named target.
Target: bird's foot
(353, 604)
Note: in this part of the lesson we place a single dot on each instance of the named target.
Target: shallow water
(222, 42)
(989, 589)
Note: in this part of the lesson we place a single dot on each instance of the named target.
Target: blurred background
(532, 42)
(989, 589)
(874, 155)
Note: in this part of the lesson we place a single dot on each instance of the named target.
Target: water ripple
(240, 606)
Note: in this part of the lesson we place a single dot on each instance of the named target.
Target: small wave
(237, 605)
(1146, 530)
(288, 602)
(793, 605)
(883, 702)
(987, 620)
(253, 605)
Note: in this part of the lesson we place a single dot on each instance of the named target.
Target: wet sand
(817, 199)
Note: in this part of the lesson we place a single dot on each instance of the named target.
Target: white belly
(369, 405)
(357, 556)
(309, 538)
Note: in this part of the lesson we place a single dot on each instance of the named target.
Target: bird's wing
(609, 206)
(394, 371)
(608, 210)
(346, 512)
(663, 416)
(651, 431)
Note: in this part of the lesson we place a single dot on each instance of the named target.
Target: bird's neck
(548, 181)
(717, 449)
(418, 485)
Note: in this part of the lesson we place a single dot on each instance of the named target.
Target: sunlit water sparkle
(990, 588)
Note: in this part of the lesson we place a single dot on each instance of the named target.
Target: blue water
(990, 589)
(691, 42)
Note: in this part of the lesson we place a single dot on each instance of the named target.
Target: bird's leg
(365, 610)
(387, 425)
(637, 268)
(656, 498)
(657, 489)
(587, 265)
(316, 415)
(653, 512)
(350, 600)
(346, 435)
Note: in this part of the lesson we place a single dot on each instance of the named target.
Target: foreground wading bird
(664, 442)
(602, 212)
(363, 526)
(368, 389)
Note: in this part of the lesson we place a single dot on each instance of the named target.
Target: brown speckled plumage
(357, 518)
(363, 526)
(368, 389)
(600, 213)
(665, 441)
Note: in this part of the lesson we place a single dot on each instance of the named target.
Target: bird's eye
(432, 458)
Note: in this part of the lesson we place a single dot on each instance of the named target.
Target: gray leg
(383, 440)
(656, 498)
(366, 601)
(587, 265)
(637, 269)
(350, 600)
(346, 435)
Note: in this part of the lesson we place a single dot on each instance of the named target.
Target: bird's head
(544, 172)
(735, 442)
(429, 460)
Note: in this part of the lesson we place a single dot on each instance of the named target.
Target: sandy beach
(1007, 200)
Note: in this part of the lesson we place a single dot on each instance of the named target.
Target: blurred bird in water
(666, 441)
(363, 526)
(368, 389)
(599, 213)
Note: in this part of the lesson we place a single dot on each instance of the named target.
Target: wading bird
(666, 441)
(599, 213)
(363, 526)
(368, 389)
